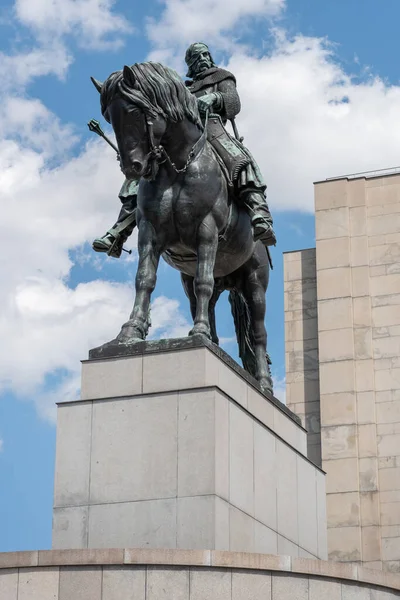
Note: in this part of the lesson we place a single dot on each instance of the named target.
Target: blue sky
(319, 88)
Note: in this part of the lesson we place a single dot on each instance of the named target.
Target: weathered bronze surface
(200, 198)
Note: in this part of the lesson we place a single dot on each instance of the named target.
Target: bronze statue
(189, 170)
(216, 91)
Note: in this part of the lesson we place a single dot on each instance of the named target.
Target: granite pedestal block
(174, 446)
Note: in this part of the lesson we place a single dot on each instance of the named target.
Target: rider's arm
(229, 101)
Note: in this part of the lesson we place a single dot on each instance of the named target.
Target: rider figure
(216, 91)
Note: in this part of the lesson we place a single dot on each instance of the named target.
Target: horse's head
(137, 131)
(139, 102)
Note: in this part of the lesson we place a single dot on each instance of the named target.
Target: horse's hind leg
(149, 255)
(188, 282)
(254, 289)
(207, 243)
(211, 315)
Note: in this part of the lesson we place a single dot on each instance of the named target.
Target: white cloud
(51, 210)
(1, 445)
(304, 118)
(47, 211)
(19, 69)
(185, 21)
(67, 390)
(93, 22)
(167, 320)
(52, 203)
(38, 128)
(52, 327)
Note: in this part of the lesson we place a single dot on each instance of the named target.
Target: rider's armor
(245, 173)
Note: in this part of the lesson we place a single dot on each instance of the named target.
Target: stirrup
(113, 247)
(116, 247)
(266, 235)
(101, 244)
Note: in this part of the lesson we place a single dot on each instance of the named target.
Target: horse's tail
(244, 331)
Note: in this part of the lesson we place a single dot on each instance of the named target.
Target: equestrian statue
(196, 195)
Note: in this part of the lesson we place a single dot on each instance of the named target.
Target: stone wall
(358, 297)
(184, 575)
(358, 267)
(301, 334)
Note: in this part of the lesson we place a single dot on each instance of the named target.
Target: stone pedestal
(175, 446)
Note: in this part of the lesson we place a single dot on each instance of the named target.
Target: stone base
(185, 575)
(114, 349)
(177, 449)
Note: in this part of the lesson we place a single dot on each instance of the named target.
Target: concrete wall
(301, 348)
(184, 575)
(200, 468)
(358, 291)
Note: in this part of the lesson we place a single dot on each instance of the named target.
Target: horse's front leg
(207, 243)
(149, 255)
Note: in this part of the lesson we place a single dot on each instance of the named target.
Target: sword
(95, 127)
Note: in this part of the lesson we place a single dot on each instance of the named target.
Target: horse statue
(185, 212)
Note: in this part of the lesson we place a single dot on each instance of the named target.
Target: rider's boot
(261, 219)
(112, 242)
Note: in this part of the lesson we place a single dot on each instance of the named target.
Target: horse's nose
(134, 170)
(137, 166)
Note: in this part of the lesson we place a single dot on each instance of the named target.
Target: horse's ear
(97, 84)
(129, 76)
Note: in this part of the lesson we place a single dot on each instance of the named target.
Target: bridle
(158, 154)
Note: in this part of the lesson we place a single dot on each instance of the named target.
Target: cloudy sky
(320, 95)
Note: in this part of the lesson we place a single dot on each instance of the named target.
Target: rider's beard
(201, 66)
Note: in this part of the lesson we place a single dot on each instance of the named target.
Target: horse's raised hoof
(201, 329)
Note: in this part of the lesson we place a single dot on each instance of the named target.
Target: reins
(156, 154)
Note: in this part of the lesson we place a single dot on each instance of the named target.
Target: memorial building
(342, 324)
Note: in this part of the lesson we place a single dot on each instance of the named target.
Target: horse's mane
(156, 89)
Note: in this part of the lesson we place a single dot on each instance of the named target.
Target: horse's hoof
(266, 386)
(130, 334)
(129, 338)
(201, 329)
